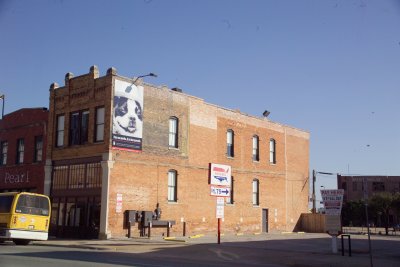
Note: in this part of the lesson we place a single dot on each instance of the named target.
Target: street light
(314, 210)
(2, 97)
(147, 75)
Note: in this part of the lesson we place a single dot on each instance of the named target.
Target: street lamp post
(313, 187)
(147, 75)
(2, 97)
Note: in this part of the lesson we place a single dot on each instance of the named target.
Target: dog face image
(128, 117)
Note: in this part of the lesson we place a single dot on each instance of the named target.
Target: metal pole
(219, 230)
(369, 235)
(313, 193)
(3, 97)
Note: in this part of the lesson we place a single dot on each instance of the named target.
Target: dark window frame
(79, 127)
(256, 148)
(99, 124)
(20, 153)
(3, 154)
(60, 131)
(230, 144)
(38, 153)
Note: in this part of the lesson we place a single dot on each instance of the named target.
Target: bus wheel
(21, 242)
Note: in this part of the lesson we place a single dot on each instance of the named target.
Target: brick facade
(141, 178)
(25, 124)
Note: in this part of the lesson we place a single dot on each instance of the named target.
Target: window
(20, 151)
(99, 135)
(60, 131)
(229, 143)
(378, 186)
(230, 200)
(172, 186)
(272, 151)
(173, 132)
(256, 153)
(79, 126)
(38, 148)
(4, 150)
(256, 199)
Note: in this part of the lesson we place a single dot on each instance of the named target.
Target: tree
(383, 203)
(353, 213)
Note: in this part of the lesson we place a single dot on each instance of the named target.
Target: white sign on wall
(118, 207)
(220, 175)
(220, 191)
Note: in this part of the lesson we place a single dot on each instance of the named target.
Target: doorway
(265, 220)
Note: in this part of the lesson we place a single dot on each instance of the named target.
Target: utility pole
(313, 192)
(2, 97)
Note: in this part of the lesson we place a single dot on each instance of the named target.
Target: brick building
(22, 147)
(117, 144)
(354, 186)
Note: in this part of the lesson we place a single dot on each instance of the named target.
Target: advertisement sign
(127, 116)
(220, 191)
(220, 175)
(332, 200)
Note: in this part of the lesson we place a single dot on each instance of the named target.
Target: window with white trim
(172, 186)
(20, 151)
(230, 143)
(38, 148)
(272, 151)
(99, 134)
(60, 131)
(256, 151)
(173, 132)
(4, 151)
(256, 193)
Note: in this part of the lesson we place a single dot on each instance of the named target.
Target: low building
(117, 144)
(22, 150)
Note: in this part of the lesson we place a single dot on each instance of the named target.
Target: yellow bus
(24, 217)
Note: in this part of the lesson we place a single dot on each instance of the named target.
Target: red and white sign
(118, 207)
(220, 175)
(332, 199)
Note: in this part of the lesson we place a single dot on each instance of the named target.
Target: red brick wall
(25, 123)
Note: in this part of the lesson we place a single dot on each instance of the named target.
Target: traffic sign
(220, 191)
(220, 207)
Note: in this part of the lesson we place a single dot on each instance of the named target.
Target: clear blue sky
(329, 67)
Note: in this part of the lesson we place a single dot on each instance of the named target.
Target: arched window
(256, 192)
(173, 132)
(172, 186)
(256, 151)
(230, 143)
(272, 151)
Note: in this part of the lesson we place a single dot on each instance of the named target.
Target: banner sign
(220, 175)
(127, 117)
(332, 199)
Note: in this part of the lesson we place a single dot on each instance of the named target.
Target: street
(265, 250)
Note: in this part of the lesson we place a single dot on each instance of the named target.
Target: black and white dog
(128, 114)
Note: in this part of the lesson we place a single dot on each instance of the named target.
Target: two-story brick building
(117, 144)
(23, 150)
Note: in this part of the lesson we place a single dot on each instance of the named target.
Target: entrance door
(265, 220)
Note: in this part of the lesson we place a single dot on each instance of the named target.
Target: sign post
(333, 200)
(220, 187)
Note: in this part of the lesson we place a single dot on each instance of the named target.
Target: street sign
(220, 191)
(220, 175)
(220, 207)
(332, 199)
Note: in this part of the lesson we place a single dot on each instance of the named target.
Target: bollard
(150, 225)
(184, 228)
(349, 240)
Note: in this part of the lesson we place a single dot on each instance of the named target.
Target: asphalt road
(269, 251)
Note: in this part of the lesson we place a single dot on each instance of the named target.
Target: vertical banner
(118, 207)
(127, 117)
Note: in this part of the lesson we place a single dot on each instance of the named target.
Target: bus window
(5, 203)
(35, 205)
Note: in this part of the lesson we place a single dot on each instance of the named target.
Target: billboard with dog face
(127, 117)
